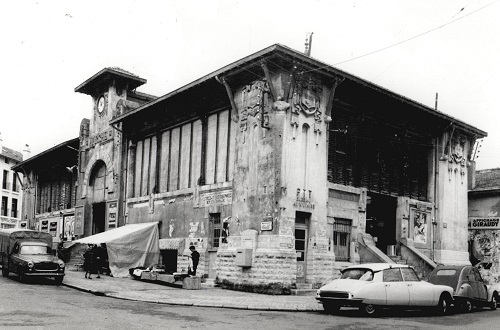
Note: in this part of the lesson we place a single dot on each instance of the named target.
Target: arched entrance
(97, 197)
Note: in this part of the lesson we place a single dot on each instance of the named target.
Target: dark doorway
(169, 260)
(98, 218)
(381, 219)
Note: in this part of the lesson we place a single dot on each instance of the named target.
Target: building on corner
(279, 168)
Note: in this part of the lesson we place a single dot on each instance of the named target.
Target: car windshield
(34, 249)
(358, 274)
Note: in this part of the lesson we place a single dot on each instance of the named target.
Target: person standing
(88, 261)
(195, 258)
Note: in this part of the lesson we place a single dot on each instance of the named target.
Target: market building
(279, 168)
(49, 190)
(484, 223)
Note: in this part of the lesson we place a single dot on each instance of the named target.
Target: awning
(129, 246)
(172, 243)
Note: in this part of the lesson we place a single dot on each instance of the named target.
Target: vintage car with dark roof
(374, 286)
(469, 289)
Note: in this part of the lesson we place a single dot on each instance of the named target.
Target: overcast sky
(414, 48)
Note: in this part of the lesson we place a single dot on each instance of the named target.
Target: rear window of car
(446, 272)
(358, 274)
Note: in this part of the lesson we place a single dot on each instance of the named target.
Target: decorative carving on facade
(306, 98)
(280, 105)
(255, 102)
(457, 151)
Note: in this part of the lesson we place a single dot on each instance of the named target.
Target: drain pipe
(434, 222)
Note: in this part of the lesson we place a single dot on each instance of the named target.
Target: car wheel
(331, 307)
(443, 306)
(5, 271)
(467, 307)
(493, 303)
(370, 310)
(58, 280)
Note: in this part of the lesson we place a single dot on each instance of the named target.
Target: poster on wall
(78, 227)
(112, 214)
(69, 227)
(420, 226)
(53, 228)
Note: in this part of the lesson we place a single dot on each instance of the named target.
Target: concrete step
(303, 292)
(209, 282)
(304, 286)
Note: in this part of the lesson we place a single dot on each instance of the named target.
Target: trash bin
(391, 250)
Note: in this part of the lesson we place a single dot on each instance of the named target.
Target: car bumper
(340, 301)
(46, 274)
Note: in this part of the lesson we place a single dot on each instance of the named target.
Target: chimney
(26, 152)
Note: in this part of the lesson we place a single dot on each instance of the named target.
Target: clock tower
(99, 197)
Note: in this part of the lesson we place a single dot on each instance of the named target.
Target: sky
(413, 48)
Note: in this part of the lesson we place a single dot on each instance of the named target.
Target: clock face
(100, 104)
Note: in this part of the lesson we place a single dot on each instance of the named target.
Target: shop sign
(216, 198)
(484, 222)
(266, 225)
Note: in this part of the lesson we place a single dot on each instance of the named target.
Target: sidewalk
(130, 289)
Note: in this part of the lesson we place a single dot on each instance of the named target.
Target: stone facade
(279, 169)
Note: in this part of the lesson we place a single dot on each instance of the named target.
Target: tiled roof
(487, 179)
(12, 154)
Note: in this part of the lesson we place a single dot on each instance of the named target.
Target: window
(341, 239)
(358, 274)
(14, 208)
(216, 229)
(5, 182)
(409, 275)
(392, 275)
(4, 206)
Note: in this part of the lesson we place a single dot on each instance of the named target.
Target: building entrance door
(381, 220)
(98, 218)
(301, 238)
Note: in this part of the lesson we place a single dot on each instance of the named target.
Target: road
(43, 305)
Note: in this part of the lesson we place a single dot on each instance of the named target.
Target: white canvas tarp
(129, 246)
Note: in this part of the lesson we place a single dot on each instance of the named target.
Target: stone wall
(272, 271)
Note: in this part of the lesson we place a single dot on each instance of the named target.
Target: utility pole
(308, 44)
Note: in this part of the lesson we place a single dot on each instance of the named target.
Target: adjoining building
(484, 223)
(49, 190)
(279, 168)
(10, 181)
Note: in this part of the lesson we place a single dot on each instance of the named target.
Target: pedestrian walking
(195, 258)
(101, 259)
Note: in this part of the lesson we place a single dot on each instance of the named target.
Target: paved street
(42, 305)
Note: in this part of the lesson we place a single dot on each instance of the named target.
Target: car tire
(370, 310)
(494, 302)
(467, 306)
(444, 304)
(331, 308)
(58, 280)
(5, 271)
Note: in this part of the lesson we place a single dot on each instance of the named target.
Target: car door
(395, 288)
(471, 278)
(481, 287)
(420, 293)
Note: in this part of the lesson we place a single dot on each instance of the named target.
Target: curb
(254, 307)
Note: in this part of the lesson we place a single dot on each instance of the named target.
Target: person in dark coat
(195, 257)
(88, 261)
(101, 256)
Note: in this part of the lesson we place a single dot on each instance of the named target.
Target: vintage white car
(379, 285)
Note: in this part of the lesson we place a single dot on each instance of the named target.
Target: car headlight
(61, 264)
(318, 293)
(31, 264)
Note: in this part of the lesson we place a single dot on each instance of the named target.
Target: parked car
(379, 285)
(469, 289)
